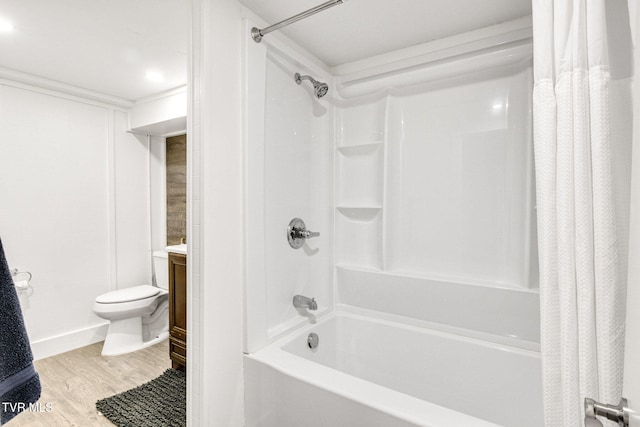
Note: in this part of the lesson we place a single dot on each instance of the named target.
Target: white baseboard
(69, 341)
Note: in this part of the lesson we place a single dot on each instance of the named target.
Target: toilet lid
(128, 294)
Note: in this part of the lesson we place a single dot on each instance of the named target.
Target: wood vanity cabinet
(178, 310)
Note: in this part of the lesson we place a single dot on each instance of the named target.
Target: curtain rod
(258, 33)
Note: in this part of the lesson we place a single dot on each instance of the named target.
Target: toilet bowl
(139, 315)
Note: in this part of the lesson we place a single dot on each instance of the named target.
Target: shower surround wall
(433, 204)
(289, 174)
(435, 197)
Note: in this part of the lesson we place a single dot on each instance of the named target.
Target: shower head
(319, 89)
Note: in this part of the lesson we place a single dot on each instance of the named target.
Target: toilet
(138, 315)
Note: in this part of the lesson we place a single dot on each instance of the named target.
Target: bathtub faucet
(300, 301)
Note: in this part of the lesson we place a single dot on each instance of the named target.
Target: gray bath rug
(158, 403)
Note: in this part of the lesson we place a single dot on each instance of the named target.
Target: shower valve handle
(297, 233)
(307, 234)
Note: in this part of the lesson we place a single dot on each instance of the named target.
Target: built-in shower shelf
(360, 184)
(360, 149)
(359, 213)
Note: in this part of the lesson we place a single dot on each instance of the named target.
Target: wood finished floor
(72, 382)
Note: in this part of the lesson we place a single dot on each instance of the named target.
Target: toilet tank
(161, 268)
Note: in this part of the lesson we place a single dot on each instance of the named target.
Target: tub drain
(313, 340)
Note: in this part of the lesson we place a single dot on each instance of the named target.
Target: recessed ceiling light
(154, 76)
(6, 26)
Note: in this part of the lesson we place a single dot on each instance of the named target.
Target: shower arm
(299, 78)
(258, 33)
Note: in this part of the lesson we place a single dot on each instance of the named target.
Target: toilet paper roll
(21, 285)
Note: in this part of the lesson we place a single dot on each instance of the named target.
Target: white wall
(63, 160)
(132, 185)
(215, 395)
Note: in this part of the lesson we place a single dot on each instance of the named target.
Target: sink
(177, 249)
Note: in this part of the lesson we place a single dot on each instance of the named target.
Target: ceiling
(105, 46)
(359, 29)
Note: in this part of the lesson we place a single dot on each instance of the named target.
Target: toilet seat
(134, 293)
(140, 301)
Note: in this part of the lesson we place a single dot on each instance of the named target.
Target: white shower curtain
(582, 140)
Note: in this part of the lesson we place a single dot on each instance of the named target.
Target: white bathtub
(374, 372)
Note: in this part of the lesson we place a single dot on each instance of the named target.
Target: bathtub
(369, 371)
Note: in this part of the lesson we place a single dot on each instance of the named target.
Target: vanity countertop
(177, 249)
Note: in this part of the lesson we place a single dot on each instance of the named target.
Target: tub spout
(300, 301)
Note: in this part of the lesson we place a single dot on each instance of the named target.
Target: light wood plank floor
(72, 382)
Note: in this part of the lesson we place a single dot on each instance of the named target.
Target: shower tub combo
(392, 340)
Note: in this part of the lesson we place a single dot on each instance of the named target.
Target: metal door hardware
(618, 413)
